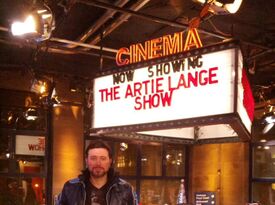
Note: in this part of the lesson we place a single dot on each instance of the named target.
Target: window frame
(138, 177)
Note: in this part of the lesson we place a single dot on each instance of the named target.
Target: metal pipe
(272, 50)
(137, 6)
(146, 17)
(103, 19)
(83, 45)
(53, 49)
(71, 42)
(4, 29)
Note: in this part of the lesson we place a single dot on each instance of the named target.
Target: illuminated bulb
(36, 185)
(43, 88)
(234, 7)
(41, 11)
(8, 155)
(28, 26)
(123, 146)
(45, 16)
(10, 118)
(266, 147)
(220, 8)
(263, 140)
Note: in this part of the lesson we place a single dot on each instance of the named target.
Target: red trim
(248, 100)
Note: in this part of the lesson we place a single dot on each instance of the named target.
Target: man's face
(98, 162)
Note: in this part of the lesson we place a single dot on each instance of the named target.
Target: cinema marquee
(198, 95)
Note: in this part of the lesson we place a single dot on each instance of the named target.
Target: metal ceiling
(89, 32)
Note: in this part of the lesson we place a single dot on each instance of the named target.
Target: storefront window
(264, 161)
(125, 158)
(20, 191)
(175, 160)
(4, 164)
(30, 165)
(140, 163)
(23, 118)
(5, 151)
(263, 165)
(133, 183)
(159, 191)
(23, 157)
(151, 160)
(264, 193)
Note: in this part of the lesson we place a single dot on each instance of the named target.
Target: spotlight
(20, 28)
(220, 8)
(39, 86)
(35, 23)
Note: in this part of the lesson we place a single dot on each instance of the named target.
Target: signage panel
(198, 86)
(205, 198)
(201, 95)
(30, 145)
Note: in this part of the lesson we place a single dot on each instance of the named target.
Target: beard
(98, 172)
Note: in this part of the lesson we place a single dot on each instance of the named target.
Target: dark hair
(99, 144)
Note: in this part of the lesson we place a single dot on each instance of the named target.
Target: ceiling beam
(99, 22)
(147, 17)
(121, 19)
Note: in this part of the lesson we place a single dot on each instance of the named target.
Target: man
(98, 184)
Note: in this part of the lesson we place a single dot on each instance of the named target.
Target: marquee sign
(194, 94)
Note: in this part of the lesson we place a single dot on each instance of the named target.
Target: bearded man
(98, 184)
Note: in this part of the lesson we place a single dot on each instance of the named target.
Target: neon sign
(158, 47)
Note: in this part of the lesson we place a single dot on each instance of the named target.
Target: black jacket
(119, 191)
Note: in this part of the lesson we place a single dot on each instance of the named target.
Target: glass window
(30, 164)
(20, 191)
(159, 192)
(4, 165)
(158, 183)
(132, 182)
(5, 151)
(264, 193)
(23, 118)
(263, 161)
(125, 158)
(151, 160)
(175, 160)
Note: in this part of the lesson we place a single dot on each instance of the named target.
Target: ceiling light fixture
(37, 24)
(220, 8)
(31, 114)
(21, 28)
(39, 86)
